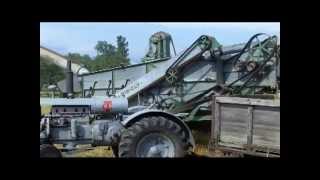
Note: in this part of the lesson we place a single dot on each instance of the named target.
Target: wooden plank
(241, 151)
(249, 101)
(267, 127)
(234, 124)
(250, 126)
(217, 123)
(213, 118)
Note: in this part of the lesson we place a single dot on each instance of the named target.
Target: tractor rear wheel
(153, 137)
(49, 151)
(115, 150)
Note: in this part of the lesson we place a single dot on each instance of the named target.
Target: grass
(106, 152)
(201, 150)
(201, 135)
(102, 151)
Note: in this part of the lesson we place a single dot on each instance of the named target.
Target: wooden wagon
(246, 126)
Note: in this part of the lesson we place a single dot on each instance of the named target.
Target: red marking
(107, 106)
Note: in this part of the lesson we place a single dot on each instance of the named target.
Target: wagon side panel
(266, 127)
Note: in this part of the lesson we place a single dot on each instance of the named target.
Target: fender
(147, 113)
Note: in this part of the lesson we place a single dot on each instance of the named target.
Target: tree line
(108, 56)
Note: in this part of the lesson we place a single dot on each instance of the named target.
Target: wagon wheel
(172, 76)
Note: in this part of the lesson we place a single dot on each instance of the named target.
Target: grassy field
(201, 149)
(106, 152)
(102, 151)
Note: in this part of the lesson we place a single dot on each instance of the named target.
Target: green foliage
(122, 45)
(78, 58)
(105, 62)
(83, 60)
(104, 48)
(108, 56)
(49, 73)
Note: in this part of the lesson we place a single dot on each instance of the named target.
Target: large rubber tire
(115, 150)
(49, 151)
(146, 126)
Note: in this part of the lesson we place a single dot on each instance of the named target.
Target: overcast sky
(82, 37)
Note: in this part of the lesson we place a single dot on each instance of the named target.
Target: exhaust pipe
(69, 80)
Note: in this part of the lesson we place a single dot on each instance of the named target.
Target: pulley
(172, 76)
(251, 65)
(204, 42)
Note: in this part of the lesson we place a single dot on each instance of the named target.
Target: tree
(122, 46)
(84, 60)
(109, 56)
(106, 62)
(49, 73)
(105, 49)
(76, 57)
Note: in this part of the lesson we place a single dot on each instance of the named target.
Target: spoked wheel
(172, 76)
(49, 151)
(261, 49)
(153, 137)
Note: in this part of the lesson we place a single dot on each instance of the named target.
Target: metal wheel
(204, 42)
(49, 151)
(260, 50)
(154, 136)
(155, 145)
(172, 76)
(115, 150)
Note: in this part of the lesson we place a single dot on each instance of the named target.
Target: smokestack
(69, 80)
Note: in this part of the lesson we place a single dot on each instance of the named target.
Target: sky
(82, 37)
